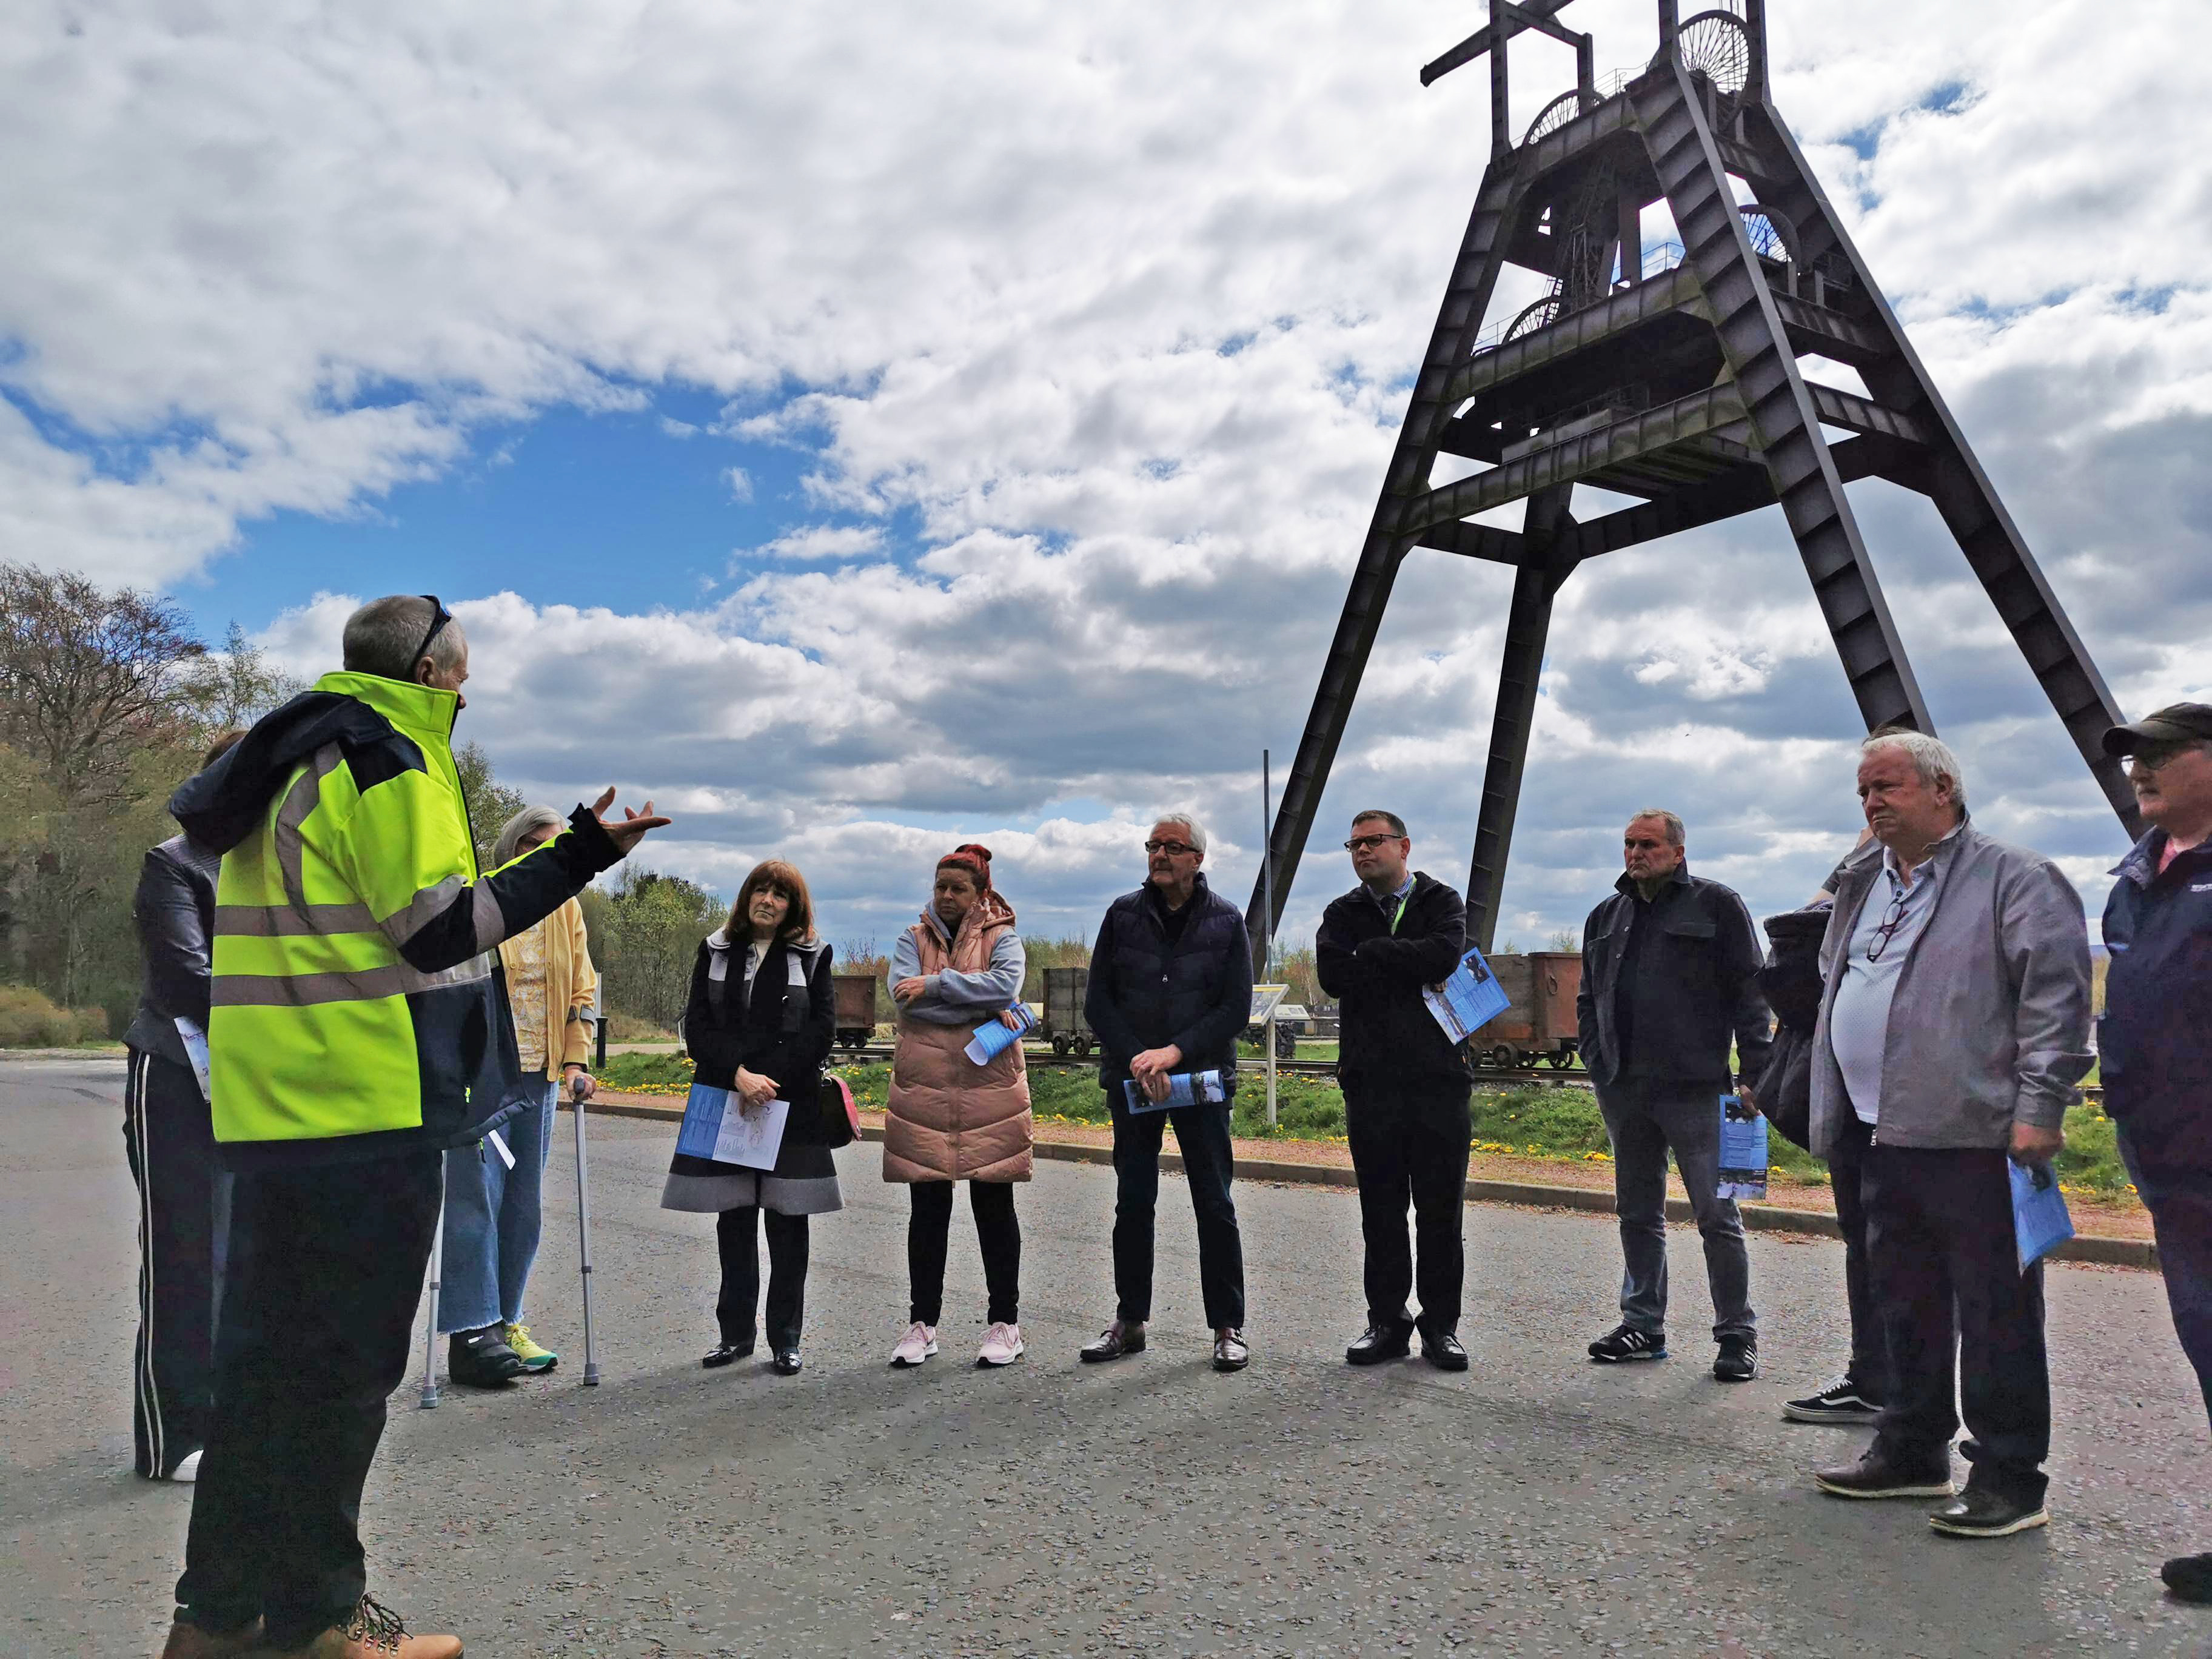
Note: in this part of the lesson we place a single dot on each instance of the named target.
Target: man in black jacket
(1406, 1087)
(1171, 991)
(1670, 967)
(184, 1195)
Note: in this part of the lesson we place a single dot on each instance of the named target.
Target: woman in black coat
(761, 1020)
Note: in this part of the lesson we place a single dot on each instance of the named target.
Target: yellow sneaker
(533, 1358)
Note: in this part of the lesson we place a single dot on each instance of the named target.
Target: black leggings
(995, 1226)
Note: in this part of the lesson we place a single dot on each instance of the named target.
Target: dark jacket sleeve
(460, 920)
(173, 935)
(1586, 996)
(1101, 1002)
(1427, 957)
(1218, 1027)
(1335, 964)
(810, 1049)
(715, 1048)
(1754, 1025)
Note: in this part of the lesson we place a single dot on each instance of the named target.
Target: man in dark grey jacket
(184, 1198)
(1669, 981)
(1955, 1024)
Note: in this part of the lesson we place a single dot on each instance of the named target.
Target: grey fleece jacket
(953, 998)
(1989, 1026)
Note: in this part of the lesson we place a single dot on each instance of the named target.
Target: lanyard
(1401, 916)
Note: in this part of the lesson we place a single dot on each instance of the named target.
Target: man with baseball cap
(2154, 1046)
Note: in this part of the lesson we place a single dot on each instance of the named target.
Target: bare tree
(88, 677)
(237, 685)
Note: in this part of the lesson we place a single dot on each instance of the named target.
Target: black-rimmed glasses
(1892, 920)
(438, 621)
(1172, 848)
(1361, 843)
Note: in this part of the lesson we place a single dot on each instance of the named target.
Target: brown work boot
(191, 1642)
(371, 1631)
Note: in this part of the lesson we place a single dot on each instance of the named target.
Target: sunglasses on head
(439, 618)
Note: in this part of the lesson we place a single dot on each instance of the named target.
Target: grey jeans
(1645, 1120)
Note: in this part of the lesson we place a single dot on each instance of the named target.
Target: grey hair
(1193, 830)
(384, 638)
(528, 821)
(1676, 833)
(1931, 759)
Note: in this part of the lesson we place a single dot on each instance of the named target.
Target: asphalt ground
(1537, 1504)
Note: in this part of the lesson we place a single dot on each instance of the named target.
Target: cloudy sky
(872, 426)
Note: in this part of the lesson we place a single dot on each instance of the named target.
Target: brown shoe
(371, 1631)
(191, 1642)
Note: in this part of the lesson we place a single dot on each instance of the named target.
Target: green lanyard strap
(1401, 916)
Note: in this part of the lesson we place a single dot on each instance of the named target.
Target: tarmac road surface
(1537, 1504)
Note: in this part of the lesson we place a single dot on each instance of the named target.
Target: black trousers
(1962, 1320)
(1410, 1147)
(737, 1236)
(998, 1230)
(1869, 1367)
(2177, 1191)
(184, 1222)
(316, 1328)
(1209, 1160)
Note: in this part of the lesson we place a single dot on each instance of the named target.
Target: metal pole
(1267, 919)
(583, 1242)
(429, 1401)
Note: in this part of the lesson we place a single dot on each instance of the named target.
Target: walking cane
(429, 1398)
(583, 1234)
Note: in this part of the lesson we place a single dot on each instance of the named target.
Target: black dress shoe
(1876, 1475)
(726, 1353)
(1393, 1340)
(1442, 1350)
(785, 1362)
(1116, 1339)
(1978, 1513)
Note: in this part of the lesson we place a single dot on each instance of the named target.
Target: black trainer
(1392, 1339)
(1737, 1361)
(2188, 1578)
(1980, 1513)
(482, 1359)
(1843, 1400)
(1625, 1342)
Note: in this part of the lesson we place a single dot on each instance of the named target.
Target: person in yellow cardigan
(492, 1204)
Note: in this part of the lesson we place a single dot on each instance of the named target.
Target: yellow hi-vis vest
(355, 990)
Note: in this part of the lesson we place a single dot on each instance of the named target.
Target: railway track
(1569, 1077)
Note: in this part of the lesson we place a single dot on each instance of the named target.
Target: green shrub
(28, 1019)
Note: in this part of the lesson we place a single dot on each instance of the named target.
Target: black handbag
(840, 1118)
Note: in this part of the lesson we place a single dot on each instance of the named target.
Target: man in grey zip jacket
(1953, 1026)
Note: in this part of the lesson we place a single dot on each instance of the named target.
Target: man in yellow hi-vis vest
(358, 1027)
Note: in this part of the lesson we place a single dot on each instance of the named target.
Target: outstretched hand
(630, 829)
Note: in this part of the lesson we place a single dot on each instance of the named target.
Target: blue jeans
(493, 1215)
(1647, 1119)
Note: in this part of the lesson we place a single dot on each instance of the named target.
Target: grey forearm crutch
(584, 1240)
(429, 1401)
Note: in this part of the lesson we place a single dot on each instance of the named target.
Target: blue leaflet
(1469, 1000)
(994, 1036)
(702, 1121)
(2040, 1222)
(1743, 1149)
(1184, 1089)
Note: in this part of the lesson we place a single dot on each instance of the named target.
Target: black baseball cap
(2178, 722)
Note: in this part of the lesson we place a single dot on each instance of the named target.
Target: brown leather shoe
(191, 1642)
(1116, 1339)
(372, 1632)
